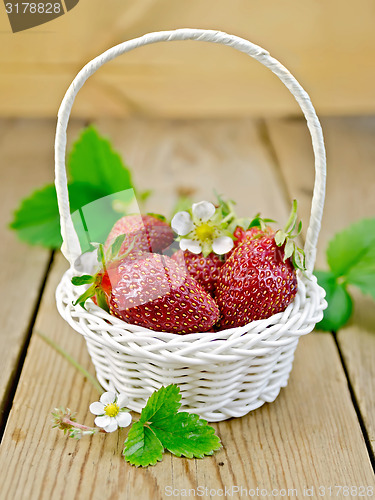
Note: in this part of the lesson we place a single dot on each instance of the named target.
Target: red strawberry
(240, 234)
(154, 292)
(205, 270)
(144, 233)
(259, 278)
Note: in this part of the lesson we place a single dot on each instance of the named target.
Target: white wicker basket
(221, 375)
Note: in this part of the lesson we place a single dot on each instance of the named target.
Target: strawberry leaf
(116, 245)
(186, 434)
(37, 219)
(362, 274)
(83, 280)
(101, 299)
(161, 404)
(95, 171)
(289, 249)
(350, 252)
(161, 427)
(280, 238)
(93, 160)
(339, 302)
(142, 447)
(299, 258)
(90, 292)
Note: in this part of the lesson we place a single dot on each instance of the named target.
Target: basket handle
(71, 247)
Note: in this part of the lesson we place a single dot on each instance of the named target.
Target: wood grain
(25, 164)
(350, 196)
(174, 157)
(327, 45)
(309, 436)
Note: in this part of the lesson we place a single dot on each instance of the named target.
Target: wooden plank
(185, 80)
(26, 164)
(173, 157)
(350, 188)
(309, 436)
(25, 100)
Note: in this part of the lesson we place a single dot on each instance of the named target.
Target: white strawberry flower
(203, 230)
(111, 412)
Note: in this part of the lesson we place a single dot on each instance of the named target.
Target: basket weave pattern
(220, 374)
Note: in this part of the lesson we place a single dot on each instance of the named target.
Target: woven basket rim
(270, 325)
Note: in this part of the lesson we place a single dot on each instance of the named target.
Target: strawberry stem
(285, 237)
(290, 225)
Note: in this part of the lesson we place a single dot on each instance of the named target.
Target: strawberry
(205, 270)
(144, 233)
(259, 278)
(152, 291)
(240, 234)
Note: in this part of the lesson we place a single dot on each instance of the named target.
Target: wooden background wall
(328, 46)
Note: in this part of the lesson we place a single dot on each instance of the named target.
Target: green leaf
(142, 447)
(160, 427)
(186, 434)
(83, 280)
(116, 245)
(299, 259)
(37, 220)
(92, 160)
(339, 301)
(353, 248)
(90, 292)
(289, 249)
(101, 299)
(100, 255)
(161, 404)
(94, 220)
(157, 216)
(280, 238)
(96, 172)
(362, 275)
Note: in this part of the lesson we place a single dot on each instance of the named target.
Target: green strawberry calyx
(286, 237)
(96, 280)
(96, 283)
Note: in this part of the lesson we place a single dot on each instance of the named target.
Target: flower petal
(102, 421)
(97, 408)
(107, 398)
(123, 419)
(112, 426)
(182, 223)
(222, 245)
(191, 245)
(122, 400)
(203, 210)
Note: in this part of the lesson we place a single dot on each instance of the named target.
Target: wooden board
(350, 196)
(327, 45)
(226, 156)
(309, 437)
(25, 165)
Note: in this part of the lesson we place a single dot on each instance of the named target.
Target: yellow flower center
(205, 232)
(112, 410)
